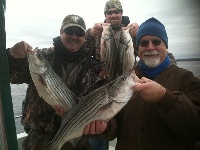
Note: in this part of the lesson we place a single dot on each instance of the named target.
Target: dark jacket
(173, 123)
(39, 119)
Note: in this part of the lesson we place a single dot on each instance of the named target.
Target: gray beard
(151, 62)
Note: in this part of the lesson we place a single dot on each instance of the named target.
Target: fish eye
(124, 77)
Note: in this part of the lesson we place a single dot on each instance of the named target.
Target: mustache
(153, 52)
(72, 40)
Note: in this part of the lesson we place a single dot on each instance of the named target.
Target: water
(193, 66)
(18, 91)
(18, 94)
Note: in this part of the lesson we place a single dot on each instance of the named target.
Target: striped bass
(101, 104)
(48, 84)
(118, 54)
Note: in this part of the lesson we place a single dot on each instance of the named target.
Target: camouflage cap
(73, 20)
(113, 4)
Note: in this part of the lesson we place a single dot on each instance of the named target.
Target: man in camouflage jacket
(77, 70)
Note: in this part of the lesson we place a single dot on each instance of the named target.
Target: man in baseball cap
(73, 20)
(113, 12)
(77, 70)
(113, 4)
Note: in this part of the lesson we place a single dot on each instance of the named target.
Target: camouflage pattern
(39, 118)
(112, 4)
(73, 20)
(93, 45)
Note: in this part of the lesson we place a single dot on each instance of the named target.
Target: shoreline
(188, 59)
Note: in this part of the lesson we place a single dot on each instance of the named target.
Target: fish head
(119, 93)
(106, 33)
(122, 89)
(37, 63)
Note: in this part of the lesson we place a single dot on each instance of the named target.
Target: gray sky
(38, 21)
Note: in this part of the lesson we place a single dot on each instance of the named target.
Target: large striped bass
(101, 104)
(117, 52)
(48, 84)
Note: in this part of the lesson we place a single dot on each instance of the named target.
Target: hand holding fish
(150, 90)
(59, 110)
(133, 28)
(20, 49)
(95, 127)
(97, 29)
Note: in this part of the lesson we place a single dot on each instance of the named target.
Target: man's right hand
(97, 29)
(95, 127)
(59, 110)
(19, 50)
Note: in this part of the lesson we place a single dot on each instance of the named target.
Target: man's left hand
(133, 28)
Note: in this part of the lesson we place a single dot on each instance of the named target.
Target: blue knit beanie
(152, 27)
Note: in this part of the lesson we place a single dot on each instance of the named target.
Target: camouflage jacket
(37, 115)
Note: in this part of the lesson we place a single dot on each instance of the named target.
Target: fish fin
(105, 107)
(39, 83)
(104, 73)
(42, 81)
(74, 141)
(80, 141)
(107, 111)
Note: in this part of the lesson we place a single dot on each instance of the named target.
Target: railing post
(8, 135)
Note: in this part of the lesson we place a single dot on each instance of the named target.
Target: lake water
(18, 91)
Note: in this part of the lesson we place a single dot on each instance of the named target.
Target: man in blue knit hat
(151, 35)
(164, 112)
(152, 27)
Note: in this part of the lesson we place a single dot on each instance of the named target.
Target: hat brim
(73, 25)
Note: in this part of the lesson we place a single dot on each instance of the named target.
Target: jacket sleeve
(18, 69)
(180, 110)
(90, 44)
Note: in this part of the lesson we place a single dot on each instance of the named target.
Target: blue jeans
(98, 144)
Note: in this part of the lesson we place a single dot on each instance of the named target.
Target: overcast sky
(38, 21)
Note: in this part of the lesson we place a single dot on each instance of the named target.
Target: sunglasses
(79, 33)
(110, 12)
(145, 43)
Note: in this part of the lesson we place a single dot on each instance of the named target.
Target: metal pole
(3, 141)
(8, 129)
